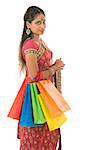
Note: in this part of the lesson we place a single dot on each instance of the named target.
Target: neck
(36, 38)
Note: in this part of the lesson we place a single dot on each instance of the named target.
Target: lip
(41, 30)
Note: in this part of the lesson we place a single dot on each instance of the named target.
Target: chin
(41, 32)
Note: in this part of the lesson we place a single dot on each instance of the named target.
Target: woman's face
(38, 25)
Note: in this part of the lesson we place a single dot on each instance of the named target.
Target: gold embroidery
(34, 51)
(58, 80)
(28, 51)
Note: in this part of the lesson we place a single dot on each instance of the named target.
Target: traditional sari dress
(38, 137)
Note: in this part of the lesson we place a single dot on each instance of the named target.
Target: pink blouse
(44, 62)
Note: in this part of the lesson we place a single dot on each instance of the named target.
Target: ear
(27, 24)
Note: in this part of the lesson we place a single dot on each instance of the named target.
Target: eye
(38, 22)
(44, 22)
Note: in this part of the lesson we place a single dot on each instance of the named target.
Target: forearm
(42, 75)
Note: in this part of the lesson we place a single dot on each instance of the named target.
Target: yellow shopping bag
(53, 122)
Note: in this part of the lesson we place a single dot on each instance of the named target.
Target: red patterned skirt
(38, 138)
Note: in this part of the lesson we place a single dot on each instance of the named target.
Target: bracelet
(51, 71)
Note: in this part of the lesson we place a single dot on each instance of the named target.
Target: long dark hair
(29, 16)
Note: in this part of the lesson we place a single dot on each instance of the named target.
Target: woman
(36, 59)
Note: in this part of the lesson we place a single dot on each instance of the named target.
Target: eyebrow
(36, 20)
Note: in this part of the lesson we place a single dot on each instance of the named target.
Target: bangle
(51, 71)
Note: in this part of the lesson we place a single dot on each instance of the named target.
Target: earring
(28, 31)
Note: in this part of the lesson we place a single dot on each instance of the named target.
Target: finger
(61, 67)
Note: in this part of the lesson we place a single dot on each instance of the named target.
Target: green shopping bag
(39, 117)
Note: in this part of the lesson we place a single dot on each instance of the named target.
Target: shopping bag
(17, 104)
(55, 95)
(37, 110)
(26, 118)
(50, 104)
(52, 107)
(53, 123)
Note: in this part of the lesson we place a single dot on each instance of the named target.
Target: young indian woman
(36, 59)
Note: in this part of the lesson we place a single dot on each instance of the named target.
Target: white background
(73, 33)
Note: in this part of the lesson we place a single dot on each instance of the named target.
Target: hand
(59, 64)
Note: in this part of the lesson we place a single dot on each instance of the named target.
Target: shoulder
(28, 46)
(28, 43)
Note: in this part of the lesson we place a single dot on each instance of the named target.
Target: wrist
(51, 70)
(55, 67)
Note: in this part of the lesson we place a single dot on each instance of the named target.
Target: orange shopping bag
(52, 97)
(17, 104)
(53, 123)
(55, 95)
(50, 104)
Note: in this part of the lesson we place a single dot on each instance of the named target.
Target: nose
(42, 26)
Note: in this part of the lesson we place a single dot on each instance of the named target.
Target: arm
(34, 73)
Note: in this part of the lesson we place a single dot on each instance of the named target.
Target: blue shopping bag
(26, 117)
